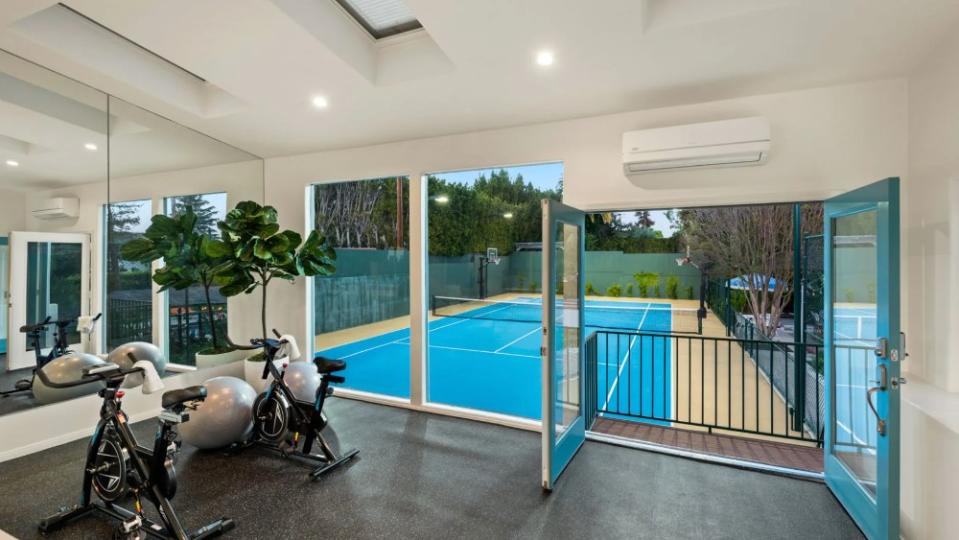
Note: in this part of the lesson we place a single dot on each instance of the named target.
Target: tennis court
(485, 354)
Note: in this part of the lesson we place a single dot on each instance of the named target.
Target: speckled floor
(427, 476)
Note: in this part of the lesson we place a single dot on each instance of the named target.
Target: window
(485, 243)
(381, 18)
(129, 292)
(361, 312)
(191, 328)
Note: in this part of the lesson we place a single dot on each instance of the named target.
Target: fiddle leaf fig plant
(186, 260)
(254, 251)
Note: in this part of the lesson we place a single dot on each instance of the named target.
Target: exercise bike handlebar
(27, 328)
(96, 373)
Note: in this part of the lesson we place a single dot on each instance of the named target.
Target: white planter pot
(253, 373)
(211, 360)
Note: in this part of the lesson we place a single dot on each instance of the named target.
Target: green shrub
(532, 286)
(656, 292)
(589, 288)
(646, 281)
(672, 287)
(614, 290)
(629, 289)
(689, 292)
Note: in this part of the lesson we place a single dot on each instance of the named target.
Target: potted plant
(186, 263)
(253, 251)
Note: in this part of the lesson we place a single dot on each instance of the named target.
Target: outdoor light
(320, 102)
(441, 199)
(90, 146)
(545, 58)
(508, 215)
(12, 163)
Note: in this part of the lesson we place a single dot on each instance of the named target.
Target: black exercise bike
(60, 347)
(117, 466)
(291, 427)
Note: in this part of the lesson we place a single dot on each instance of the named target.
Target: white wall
(930, 410)
(12, 211)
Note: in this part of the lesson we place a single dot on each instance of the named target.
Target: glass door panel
(49, 278)
(862, 355)
(564, 362)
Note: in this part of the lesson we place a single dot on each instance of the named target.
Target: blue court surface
(855, 366)
(485, 356)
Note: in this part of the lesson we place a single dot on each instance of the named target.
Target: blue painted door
(863, 354)
(563, 355)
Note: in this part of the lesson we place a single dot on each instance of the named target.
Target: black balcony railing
(189, 326)
(731, 384)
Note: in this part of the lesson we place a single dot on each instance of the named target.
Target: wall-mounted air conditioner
(726, 143)
(56, 208)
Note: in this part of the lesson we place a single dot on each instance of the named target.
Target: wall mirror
(81, 174)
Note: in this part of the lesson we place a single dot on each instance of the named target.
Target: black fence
(189, 326)
(710, 382)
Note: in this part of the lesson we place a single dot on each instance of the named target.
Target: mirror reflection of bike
(290, 425)
(61, 347)
(117, 467)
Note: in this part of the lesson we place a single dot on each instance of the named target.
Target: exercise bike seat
(178, 397)
(328, 365)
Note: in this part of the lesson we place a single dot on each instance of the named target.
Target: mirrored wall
(81, 175)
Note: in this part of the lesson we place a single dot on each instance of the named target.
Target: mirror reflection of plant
(186, 259)
(254, 251)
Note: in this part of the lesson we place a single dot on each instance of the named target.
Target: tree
(206, 213)
(122, 218)
(755, 242)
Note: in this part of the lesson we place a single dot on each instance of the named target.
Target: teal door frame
(559, 449)
(877, 514)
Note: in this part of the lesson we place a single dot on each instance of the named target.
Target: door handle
(880, 387)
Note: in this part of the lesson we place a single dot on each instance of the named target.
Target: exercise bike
(117, 466)
(60, 346)
(291, 427)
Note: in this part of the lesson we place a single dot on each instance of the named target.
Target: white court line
(622, 365)
(484, 352)
(524, 336)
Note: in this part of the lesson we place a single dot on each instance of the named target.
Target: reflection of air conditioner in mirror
(56, 208)
(727, 143)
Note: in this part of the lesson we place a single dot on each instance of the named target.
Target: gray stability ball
(141, 350)
(303, 380)
(224, 417)
(67, 368)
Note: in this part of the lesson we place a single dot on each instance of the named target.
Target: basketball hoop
(492, 255)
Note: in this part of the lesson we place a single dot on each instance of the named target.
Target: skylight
(381, 18)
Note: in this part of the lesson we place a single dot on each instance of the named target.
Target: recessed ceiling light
(320, 102)
(90, 146)
(12, 163)
(545, 58)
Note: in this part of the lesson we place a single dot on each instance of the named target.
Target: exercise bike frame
(308, 420)
(149, 465)
(59, 348)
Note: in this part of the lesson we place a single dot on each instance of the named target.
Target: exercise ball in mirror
(67, 368)
(224, 417)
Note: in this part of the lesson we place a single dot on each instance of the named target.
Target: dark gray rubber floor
(427, 476)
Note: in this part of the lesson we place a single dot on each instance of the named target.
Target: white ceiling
(472, 66)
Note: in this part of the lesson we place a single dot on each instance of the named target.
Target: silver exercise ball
(303, 380)
(141, 350)
(67, 368)
(224, 417)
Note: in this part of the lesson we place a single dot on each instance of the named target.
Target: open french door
(49, 277)
(863, 350)
(564, 361)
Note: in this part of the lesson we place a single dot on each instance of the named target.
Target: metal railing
(727, 383)
(132, 320)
